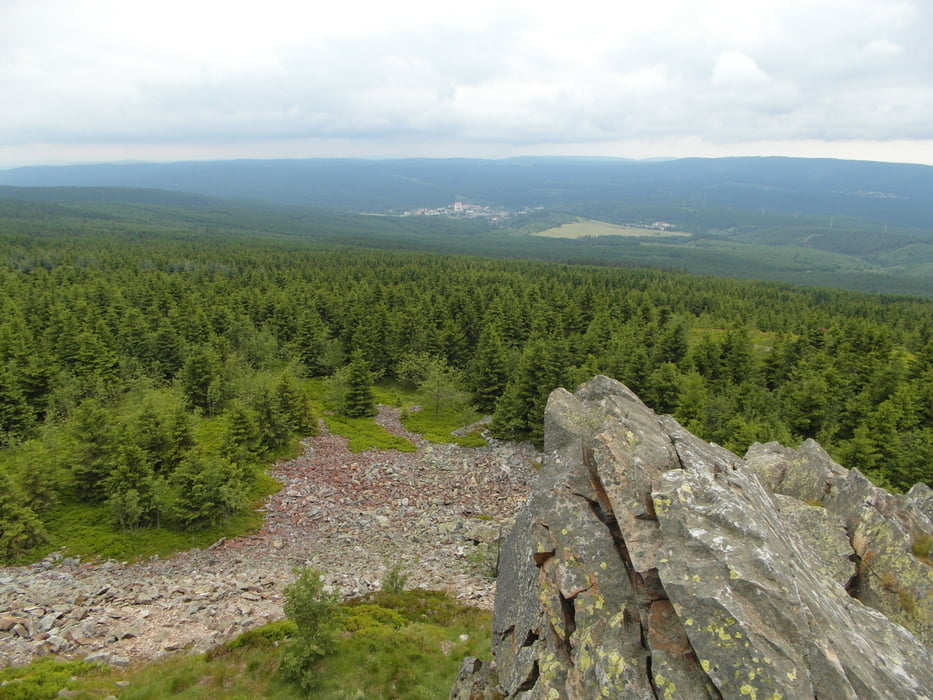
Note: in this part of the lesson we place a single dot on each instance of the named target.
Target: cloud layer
(419, 77)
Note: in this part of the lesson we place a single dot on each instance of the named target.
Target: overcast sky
(105, 80)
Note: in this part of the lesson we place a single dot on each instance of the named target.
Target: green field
(582, 228)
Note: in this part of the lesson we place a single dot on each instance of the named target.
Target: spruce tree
(358, 400)
(488, 373)
(20, 527)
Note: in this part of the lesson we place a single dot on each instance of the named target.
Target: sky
(112, 80)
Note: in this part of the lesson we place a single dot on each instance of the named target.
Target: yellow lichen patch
(792, 674)
(749, 691)
(704, 664)
(603, 565)
(733, 574)
(585, 661)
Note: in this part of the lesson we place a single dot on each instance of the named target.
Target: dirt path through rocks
(353, 516)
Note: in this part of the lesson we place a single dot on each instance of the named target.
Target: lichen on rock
(648, 563)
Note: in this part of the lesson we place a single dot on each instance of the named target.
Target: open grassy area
(365, 433)
(438, 426)
(591, 227)
(391, 645)
(87, 531)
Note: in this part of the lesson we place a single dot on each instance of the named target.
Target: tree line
(151, 370)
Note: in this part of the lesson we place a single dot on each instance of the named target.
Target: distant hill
(858, 225)
(888, 193)
(109, 194)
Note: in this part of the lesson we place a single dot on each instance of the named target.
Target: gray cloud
(716, 72)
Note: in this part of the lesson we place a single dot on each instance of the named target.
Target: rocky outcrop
(891, 568)
(650, 564)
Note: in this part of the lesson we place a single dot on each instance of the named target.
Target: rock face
(650, 564)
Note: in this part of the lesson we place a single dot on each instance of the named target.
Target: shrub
(317, 617)
(395, 580)
(259, 637)
(42, 679)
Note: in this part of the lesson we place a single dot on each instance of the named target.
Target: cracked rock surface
(650, 564)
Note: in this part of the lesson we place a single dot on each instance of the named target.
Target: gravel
(435, 513)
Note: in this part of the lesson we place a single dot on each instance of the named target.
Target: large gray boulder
(650, 564)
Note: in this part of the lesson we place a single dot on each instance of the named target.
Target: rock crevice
(648, 563)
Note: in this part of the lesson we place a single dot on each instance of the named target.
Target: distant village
(467, 211)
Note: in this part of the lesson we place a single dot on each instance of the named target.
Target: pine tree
(15, 414)
(92, 451)
(196, 378)
(358, 400)
(20, 527)
(487, 373)
(292, 403)
(244, 439)
(520, 412)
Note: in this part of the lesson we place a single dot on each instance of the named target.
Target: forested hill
(148, 366)
(855, 254)
(886, 193)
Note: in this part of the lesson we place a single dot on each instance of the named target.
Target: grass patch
(246, 672)
(366, 434)
(394, 394)
(86, 530)
(922, 548)
(45, 678)
(438, 427)
(407, 644)
(403, 645)
(582, 228)
(362, 433)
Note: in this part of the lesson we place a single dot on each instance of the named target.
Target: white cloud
(422, 75)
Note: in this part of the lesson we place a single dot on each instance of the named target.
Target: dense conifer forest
(148, 371)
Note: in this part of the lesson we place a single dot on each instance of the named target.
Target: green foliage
(395, 579)
(244, 439)
(20, 527)
(413, 643)
(133, 346)
(487, 374)
(16, 415)
(403, 645)
(365, 434)
(259, 637)
(358, 400)
(368, 616)
(412, 369)
(206, 490)
(520, 411)
(439, 427)
(439, 387)
(42, 679)
(317, 617)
